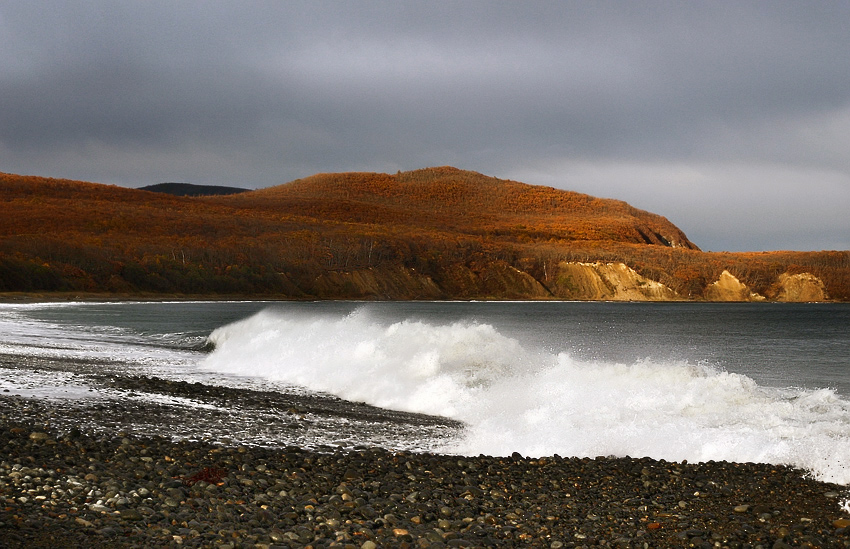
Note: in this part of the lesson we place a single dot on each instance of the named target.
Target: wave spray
(518, 398)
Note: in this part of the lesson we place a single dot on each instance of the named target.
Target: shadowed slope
(189, 189)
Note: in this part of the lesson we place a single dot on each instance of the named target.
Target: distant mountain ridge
(190, 189)
(435, 233)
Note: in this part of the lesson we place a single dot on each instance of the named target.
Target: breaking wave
(514, 397)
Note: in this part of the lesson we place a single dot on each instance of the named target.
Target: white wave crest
(537, 402)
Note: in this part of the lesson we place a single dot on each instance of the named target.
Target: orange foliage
(69, 235)
(466, 202)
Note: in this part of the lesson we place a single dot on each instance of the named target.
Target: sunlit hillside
(467, 202)
(426, 234)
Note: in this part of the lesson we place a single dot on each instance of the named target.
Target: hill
(190, 189)
(438, 233)
(448, 199)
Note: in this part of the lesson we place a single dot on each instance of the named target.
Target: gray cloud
(730, 118)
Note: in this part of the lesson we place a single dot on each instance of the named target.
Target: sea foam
(517, 398)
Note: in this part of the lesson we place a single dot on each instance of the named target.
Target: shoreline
(81, 485)
(129, 460)
(98, 297)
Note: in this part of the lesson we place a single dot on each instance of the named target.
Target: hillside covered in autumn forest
(437, 233)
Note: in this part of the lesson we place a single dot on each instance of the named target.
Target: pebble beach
(90, 476)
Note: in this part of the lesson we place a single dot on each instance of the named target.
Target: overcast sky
(731, 119)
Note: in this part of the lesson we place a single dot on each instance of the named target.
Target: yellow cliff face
(602, 281)
(607, 281)
(497, 280)
(729, 288)
(801, 287)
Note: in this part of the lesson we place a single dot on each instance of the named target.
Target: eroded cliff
(729, 288)
(607, 281)
(800, 287)
(597, 281)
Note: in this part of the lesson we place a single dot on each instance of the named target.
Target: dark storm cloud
(719, 115)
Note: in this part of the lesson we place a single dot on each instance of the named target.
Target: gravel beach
(99, 475)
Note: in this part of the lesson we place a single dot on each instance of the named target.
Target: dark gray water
(745, 382)
(805, 345)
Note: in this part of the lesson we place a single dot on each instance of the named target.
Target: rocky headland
(436, 233)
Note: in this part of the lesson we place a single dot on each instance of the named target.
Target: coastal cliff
(436, 233)
(578, 281)
(800, 287)
(607, 281)
(729, 288)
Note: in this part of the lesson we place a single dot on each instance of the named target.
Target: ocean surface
(678, 381)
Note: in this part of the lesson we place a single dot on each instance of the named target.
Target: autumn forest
(437, 233)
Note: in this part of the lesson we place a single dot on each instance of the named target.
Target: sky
(730, 118)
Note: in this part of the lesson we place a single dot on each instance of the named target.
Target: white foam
(21, 335)
(43, 384)
(537, 402)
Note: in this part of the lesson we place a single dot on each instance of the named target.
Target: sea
(743, 382)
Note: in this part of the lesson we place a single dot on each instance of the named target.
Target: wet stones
(94, 489)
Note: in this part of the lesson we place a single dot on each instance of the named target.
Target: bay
(698, 381)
